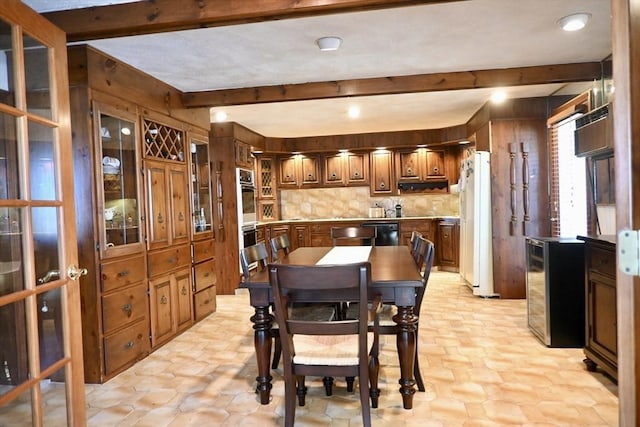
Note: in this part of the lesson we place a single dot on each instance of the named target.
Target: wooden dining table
(394, 276)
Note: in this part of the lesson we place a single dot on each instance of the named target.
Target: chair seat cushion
(340, 350)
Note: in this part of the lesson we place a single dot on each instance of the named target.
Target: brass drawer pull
(172, 260)
(206, 274)
(129, 345)
(123, 273)
(181, 216)
(163, 299)
(184, 290)
(160, 218)
(127, 308)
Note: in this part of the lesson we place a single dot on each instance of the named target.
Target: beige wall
(354, 202)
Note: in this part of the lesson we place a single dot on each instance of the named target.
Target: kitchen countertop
(363, 219)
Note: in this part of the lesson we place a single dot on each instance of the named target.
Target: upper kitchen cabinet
(119, 206)
(201, 222)
(420, 164)
(299, 171)
(382, 182)
(244, 158)
(166, 185)
(346, 169)
(421, 170)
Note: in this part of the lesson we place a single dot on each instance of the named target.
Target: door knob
(74, 272)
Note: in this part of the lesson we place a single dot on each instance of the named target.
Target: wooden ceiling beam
(155, 16)
(559, 73)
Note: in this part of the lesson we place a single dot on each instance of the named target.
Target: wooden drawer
(325, 228)
(202, 250)
(603, 261)
(204, 275)
(122, 273)
(126, 346)
(204, 302)
(169, 259)
(124, 307)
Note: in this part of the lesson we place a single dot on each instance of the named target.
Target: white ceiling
(458, 36)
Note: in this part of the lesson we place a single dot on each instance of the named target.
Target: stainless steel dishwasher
(386, 232)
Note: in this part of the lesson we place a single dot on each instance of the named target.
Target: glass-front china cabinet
(201, 186)
(119, 206)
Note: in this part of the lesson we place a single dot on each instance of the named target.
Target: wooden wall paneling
(625, 27)
(509, 268)
(103, 73)
(222, 150)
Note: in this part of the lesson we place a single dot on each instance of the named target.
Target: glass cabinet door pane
(119, 175)
(201, 182)
(7, 78)
(36, 74)
(9, 177)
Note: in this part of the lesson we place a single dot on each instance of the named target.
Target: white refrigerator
(476, 254)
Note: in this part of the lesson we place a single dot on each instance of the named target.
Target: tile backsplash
(354, 202)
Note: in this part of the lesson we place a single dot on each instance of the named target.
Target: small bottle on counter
(398, 211)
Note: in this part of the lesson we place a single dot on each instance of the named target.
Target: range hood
(438, 186)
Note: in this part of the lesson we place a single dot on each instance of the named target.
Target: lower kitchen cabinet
(125, 320)
(601, 346)
(426, 227)
(204, 279)
(170, 295)
(448, 245)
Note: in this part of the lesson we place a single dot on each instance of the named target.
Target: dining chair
(387, 326)
(321, 348)
(279, 244)
(354, 235)
(257, 255)
(413, 242)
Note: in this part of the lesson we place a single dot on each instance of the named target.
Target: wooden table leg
(406, 342)
(262, 322)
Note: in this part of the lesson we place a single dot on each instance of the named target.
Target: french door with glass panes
(41, 368)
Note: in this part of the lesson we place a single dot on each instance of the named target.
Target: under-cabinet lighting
(354, 112)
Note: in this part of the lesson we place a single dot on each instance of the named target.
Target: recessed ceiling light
(574, 22)
(498, 96)
(354, 111)
(329, 43)
(221, 116)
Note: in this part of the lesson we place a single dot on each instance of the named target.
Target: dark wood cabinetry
(420, 165)
(299, 171)
(601, 346)
(426, 227)
(346, 169)
(382, 182)
(448, 244)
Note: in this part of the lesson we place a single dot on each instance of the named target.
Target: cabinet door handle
(382, 184)
(206, 274)
(184, 290)
(163, 299)
(356, 174)
(409, 171)
(180, 216)
(129, 345)
(123, 273)
(160, 218)
(172, 260)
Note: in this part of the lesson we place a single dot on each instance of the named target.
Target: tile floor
(481, 365)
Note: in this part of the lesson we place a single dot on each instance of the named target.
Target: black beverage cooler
(555, 290)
